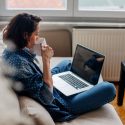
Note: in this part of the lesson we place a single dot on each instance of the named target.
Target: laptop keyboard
(73, 81)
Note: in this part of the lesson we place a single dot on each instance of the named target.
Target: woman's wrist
(47, 72)
(46, 60)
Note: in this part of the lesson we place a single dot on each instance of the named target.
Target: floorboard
(119, 109)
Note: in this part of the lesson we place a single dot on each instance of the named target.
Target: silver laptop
(84, 74)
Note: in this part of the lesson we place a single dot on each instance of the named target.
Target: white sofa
(10, 107)
(105, 115)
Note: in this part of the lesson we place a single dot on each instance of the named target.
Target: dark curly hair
(18, 26)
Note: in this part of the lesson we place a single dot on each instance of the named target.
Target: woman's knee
(109, 89)
(66, 65)
(66, 62)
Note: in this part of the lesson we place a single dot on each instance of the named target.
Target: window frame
(72, 11)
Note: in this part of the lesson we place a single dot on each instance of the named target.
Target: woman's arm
(47, 53)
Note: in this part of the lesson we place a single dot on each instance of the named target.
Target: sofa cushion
(36, 111)
(106, 115)
(9, 105)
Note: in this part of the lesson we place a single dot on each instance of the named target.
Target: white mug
(41, 41)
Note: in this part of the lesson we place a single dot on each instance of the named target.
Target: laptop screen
(87, 64)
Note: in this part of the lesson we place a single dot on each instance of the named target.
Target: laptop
(84, 74)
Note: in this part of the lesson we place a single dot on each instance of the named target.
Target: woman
(23, 32)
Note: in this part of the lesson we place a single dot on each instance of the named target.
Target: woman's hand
(46, 52)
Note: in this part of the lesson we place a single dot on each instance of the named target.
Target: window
(65, 8)
(40, 7)
(101, 4)
(33, 5)
(100, 8)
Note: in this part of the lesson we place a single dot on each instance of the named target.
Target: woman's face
(33, 38)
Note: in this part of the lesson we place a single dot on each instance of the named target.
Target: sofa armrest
(36, 111)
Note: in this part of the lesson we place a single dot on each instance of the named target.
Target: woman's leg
(91, 99)
(62, 67)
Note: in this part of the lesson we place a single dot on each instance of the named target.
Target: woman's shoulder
(13, 58)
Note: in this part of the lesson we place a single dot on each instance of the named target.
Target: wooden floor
(120, 109)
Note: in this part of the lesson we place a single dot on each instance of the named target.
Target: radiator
(108, 41)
